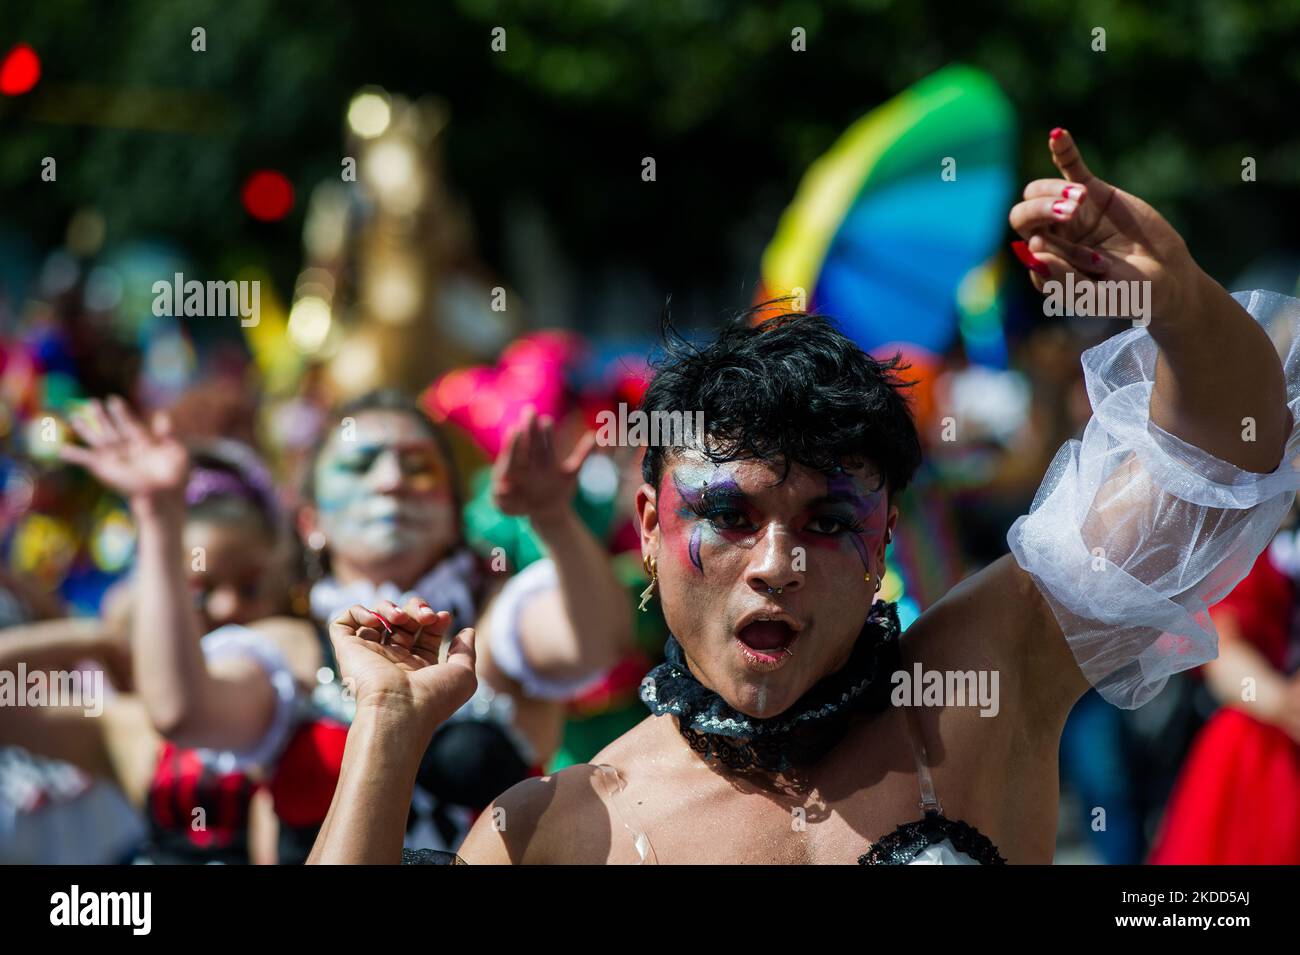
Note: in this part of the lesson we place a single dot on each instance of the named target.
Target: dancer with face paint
(236, 576)
(779, 700)
(385, 514)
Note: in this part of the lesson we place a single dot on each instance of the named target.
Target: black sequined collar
(797, 737)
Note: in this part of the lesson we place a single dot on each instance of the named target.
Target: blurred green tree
(161, 137)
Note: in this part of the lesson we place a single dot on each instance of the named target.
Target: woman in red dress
(1237, 800)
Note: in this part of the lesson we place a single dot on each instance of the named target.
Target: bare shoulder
(645, 740)
(992, 612)
(998, 619)
(546, 820)
(565, 818)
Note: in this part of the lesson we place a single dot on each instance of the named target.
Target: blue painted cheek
(336, 502)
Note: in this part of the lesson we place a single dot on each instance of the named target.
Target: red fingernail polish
(1029, 260)
(1097, 259)
(1056, 133)
(387, 626)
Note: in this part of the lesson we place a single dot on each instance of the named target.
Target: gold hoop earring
(648, 563)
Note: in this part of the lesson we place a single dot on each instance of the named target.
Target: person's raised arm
(581, 625)
(403, 693)
(228, 706)
(1215, 366)
(1175, 486)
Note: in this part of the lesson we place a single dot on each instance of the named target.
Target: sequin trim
(909, 840)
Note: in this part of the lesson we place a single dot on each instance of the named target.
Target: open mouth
(767, 643)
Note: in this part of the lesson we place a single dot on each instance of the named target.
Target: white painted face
(384, 494)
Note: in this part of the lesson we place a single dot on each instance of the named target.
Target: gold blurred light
(393, 171)
(324, 232)
(315, 281)
(369, 113)
(309, 323)
(394, 290)
(356, 368)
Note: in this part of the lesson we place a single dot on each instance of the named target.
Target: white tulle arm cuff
(1135, 533)
(233, 640)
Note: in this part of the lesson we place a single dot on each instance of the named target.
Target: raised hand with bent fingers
(1083, 225)
(388, 656)
(140, 463)
(529, 478)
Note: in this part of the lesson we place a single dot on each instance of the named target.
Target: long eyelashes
(710, 508)
(719, 497)
(710, 502)
(717, 509)
(847, 525)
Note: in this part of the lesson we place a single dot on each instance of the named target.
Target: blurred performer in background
(1237, 801)
(201, 805)
(385, 514)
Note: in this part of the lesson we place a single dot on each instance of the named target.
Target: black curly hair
(788, 389)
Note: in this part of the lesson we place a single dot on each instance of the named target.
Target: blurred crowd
(390, 435)
(116, 788)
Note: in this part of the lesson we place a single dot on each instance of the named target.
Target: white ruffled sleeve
(507, 636)
(1134, 533)
(233, 640)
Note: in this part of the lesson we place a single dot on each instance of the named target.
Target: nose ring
(777, 592)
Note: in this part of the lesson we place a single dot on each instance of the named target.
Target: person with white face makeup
(776, 733)
(383, 509)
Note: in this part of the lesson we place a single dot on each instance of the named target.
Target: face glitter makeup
(867, 510)
(692, 504)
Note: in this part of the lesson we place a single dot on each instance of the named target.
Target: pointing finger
(1066, 156)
